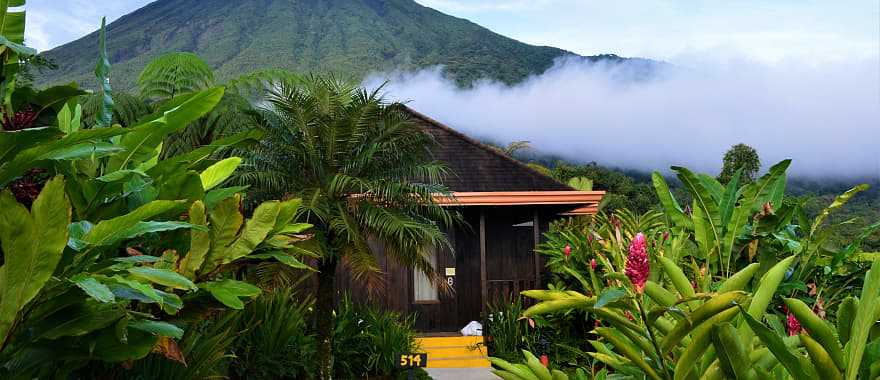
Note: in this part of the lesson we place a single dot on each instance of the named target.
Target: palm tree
(365, 174)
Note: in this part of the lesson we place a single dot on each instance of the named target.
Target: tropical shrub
(700, 296)
(275, 340)
(367, 340)
(558, 336)
(111, 253)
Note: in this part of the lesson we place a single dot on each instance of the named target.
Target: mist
(825, 116)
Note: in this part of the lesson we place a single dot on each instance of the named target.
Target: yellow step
(452, 352)
(458, 363)
(455, 352)
(450, 341)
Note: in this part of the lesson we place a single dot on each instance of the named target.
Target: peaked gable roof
(477, 167)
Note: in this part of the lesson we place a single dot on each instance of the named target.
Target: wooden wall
(510, 264)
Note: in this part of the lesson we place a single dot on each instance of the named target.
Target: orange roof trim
(514, 198)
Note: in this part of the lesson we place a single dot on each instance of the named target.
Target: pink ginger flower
(637, 266)
(793, 325)
(567, 251)
(593, 264)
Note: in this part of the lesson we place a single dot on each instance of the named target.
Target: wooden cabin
(507, 206)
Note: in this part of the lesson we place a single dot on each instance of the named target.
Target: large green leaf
(163, 277)
(283, 258)
(226, 221)
(111, 231)
(33, 244)
(215, 174)
(12, 142)
(254, 232)
(866, 316)
(200, 242)
(215, 196)
(108, 347)
(26, 159)
(69, 121)
(729, 198)
(102, 71)
(186, 185)
(142, 228)
(144, 138)
(706, 214)
(93, 288)
(836, 204)
(670, 205)
(230, 292)
(779, 349)
(80, 319)
(157, 328)
(731, 352)
(12, 23)
(768, 188)
(186, 161)
(86, 150)
(767, 287)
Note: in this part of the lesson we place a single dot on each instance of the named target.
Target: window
(423, 290)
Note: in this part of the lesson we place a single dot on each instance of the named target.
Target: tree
(365, 174)
(740, 156)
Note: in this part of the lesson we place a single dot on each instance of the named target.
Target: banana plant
(720, 214)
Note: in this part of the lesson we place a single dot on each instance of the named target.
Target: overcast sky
(677, 31)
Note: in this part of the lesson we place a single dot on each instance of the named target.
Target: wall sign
(412, 360)
(450, 272)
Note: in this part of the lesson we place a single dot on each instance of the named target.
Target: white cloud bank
(826, 117)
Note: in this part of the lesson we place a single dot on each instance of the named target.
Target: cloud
(52, 22)
(824, 116)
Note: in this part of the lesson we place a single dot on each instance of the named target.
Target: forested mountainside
(350, 38)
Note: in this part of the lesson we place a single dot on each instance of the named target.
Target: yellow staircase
(455, 351)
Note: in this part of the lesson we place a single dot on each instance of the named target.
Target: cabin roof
(476, 167)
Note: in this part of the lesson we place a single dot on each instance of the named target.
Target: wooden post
(536, 227)
(483, 280)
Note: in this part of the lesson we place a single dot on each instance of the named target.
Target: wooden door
(437, 310)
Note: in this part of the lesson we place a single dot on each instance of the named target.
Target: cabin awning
(584, 201)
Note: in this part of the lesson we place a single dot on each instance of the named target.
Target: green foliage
(104, 256)
(173, 74)
(102, 71)
(366, 340)
(276, 339)
(743, 159)
(717, 274)
(304, 37)
(354, 160)
(624, 192)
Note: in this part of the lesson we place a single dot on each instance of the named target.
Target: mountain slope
(349, 37)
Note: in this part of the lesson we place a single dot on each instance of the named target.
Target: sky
(794, 78)
(672, 30)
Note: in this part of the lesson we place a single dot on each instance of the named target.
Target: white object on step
(473, 328)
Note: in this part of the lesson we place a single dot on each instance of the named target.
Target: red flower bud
(665, 235)
(545, 361)
(589, 238)
(637, 266)
(593, 264)
(794, 326)
(567, 250)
